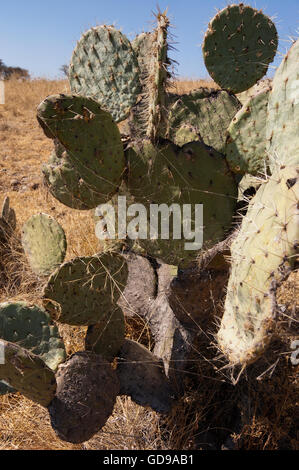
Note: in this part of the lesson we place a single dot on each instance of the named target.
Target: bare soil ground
(254, 414)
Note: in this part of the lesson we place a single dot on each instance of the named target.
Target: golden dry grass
(208, 401)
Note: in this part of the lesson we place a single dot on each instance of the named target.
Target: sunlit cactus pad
(27, 373)
(44, 243)
(91, 138)
(65, 183)
(104, 67)
(283, 112)
(262, 254)
(238, 47)
(84, 290)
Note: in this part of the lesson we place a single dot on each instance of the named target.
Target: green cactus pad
(283, 112)
(27, 373)
(44, 243)
(238, 46)
(192, 174)
(104, 67)
(107, 336)
(91, 138)
(87, 388)
(83, 291)
(263, 252)
(246, 141)
(142, 377)
(65, 183)
(202, 115)
(30, 327)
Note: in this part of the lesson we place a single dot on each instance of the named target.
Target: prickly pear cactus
(192, 174)
(83, 291)
(203, 115)
(27, 373)
(44, 243)
(91, 138)
(283, 112)
(30, 326)
(245, 149)
(262, 254)
(104, 67)
(238, 46)
(65, 183)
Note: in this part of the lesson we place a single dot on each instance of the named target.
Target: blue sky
(40, 35)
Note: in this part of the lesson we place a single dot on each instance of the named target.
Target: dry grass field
(210, 408)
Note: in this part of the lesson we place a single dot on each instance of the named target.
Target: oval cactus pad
(238, 46)
(44, 243)
(104, 67)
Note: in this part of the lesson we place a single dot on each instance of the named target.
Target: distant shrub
(9, 72)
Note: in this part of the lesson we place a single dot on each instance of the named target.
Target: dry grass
(260, 414)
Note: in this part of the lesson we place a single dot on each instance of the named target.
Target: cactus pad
(107, 336)
(27, 373)
(44, 243)
(202, 115)
(91, 138)
(246, 142)
(192, 174)
(238, 46)
(87, 387)
(65, 183)
(283, 112)
(104, 67)
(31, 328)
(84, 290)
(263, 252)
